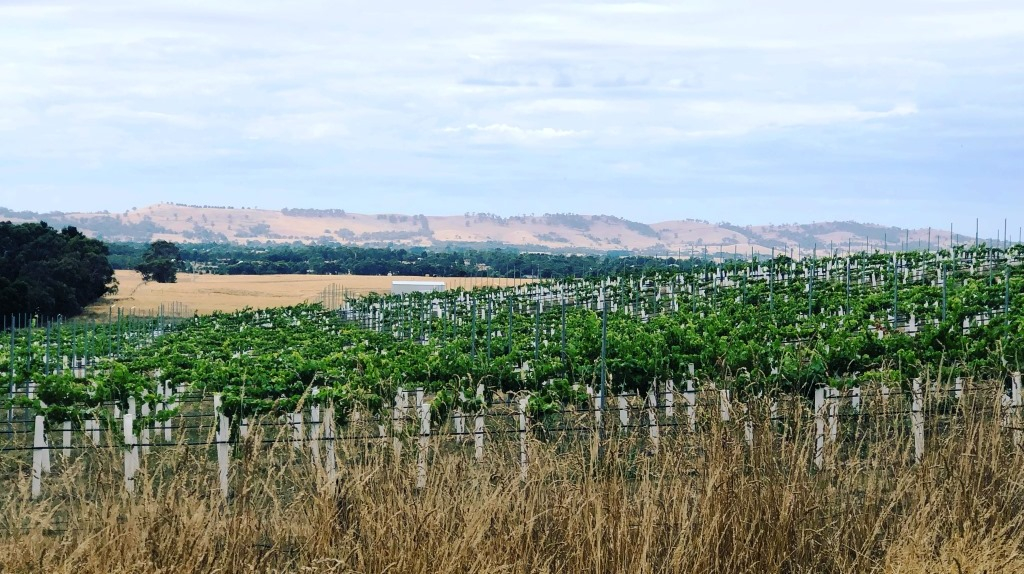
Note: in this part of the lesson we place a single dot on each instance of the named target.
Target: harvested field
(208, 293)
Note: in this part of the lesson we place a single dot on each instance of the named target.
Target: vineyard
(873, 362)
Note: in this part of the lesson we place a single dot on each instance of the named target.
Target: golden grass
(704, 502)
(208, 293)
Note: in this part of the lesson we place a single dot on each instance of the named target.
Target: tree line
(231, 259)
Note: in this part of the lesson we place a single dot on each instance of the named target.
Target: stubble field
(203, 294)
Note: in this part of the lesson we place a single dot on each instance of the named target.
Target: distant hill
(559, 232)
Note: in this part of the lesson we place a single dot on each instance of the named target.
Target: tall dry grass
(702, 502)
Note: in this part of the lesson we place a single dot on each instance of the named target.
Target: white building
(399, 287)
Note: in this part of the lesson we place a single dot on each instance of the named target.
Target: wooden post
(145, 430)
(595, 407)
(161, 390)
(171, 403)
(478, 429)
(623, 412)
(314, 429)
(398, 422)
(833, 416)
(690, 398)
(917, 419)
(523, 423)
(819, 427)
(421, 458)
(46, 468)
(131, 455)
(298, 436)
(748, 425)
(723, 405)
(38, 451)
(330, 450)
(652, 417)
(1015, 398)
(670, 399)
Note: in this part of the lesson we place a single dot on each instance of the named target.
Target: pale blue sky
(904, 112)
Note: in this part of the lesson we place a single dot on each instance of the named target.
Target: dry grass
(208, 293)
(705, 502)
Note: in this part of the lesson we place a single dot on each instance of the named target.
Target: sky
(899, 112)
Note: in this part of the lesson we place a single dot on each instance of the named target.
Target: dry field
(208, 293)
(704, 502)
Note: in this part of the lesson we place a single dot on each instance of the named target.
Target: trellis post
(917, 419)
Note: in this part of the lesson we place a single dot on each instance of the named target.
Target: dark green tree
(46, 272)
(160, 262)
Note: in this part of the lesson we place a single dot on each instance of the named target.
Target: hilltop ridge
(559, 232)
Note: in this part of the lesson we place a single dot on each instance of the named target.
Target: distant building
(399, 287)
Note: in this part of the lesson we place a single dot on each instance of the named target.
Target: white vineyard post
(421, 456)
(523, 423)
(314, 429)
(46, 448)
(623, 412)
(243, 428)
(723, 405)
(819, 427)
(917, 419)
(398, 422)
(330, 449)
(1015, 398)
(66, 428)
(38, 448)
(958, 388)
(670, 399)
(459, 419)
(479, 425)
(131, 454)
(223, 448)
(90, 424)
(652, 417)
(690, 398)
(145, 429)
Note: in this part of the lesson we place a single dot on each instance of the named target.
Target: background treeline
(46, 272)
(322, 259)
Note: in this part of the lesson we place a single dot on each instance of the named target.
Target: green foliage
(49, 273)
(745, 335)
(160, 262)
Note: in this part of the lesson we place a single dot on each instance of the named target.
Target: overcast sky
(899, 111)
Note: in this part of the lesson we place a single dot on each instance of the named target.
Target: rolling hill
(564, 232)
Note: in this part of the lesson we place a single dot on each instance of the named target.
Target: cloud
(639, 99)
(516, 133)
(734, 118)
